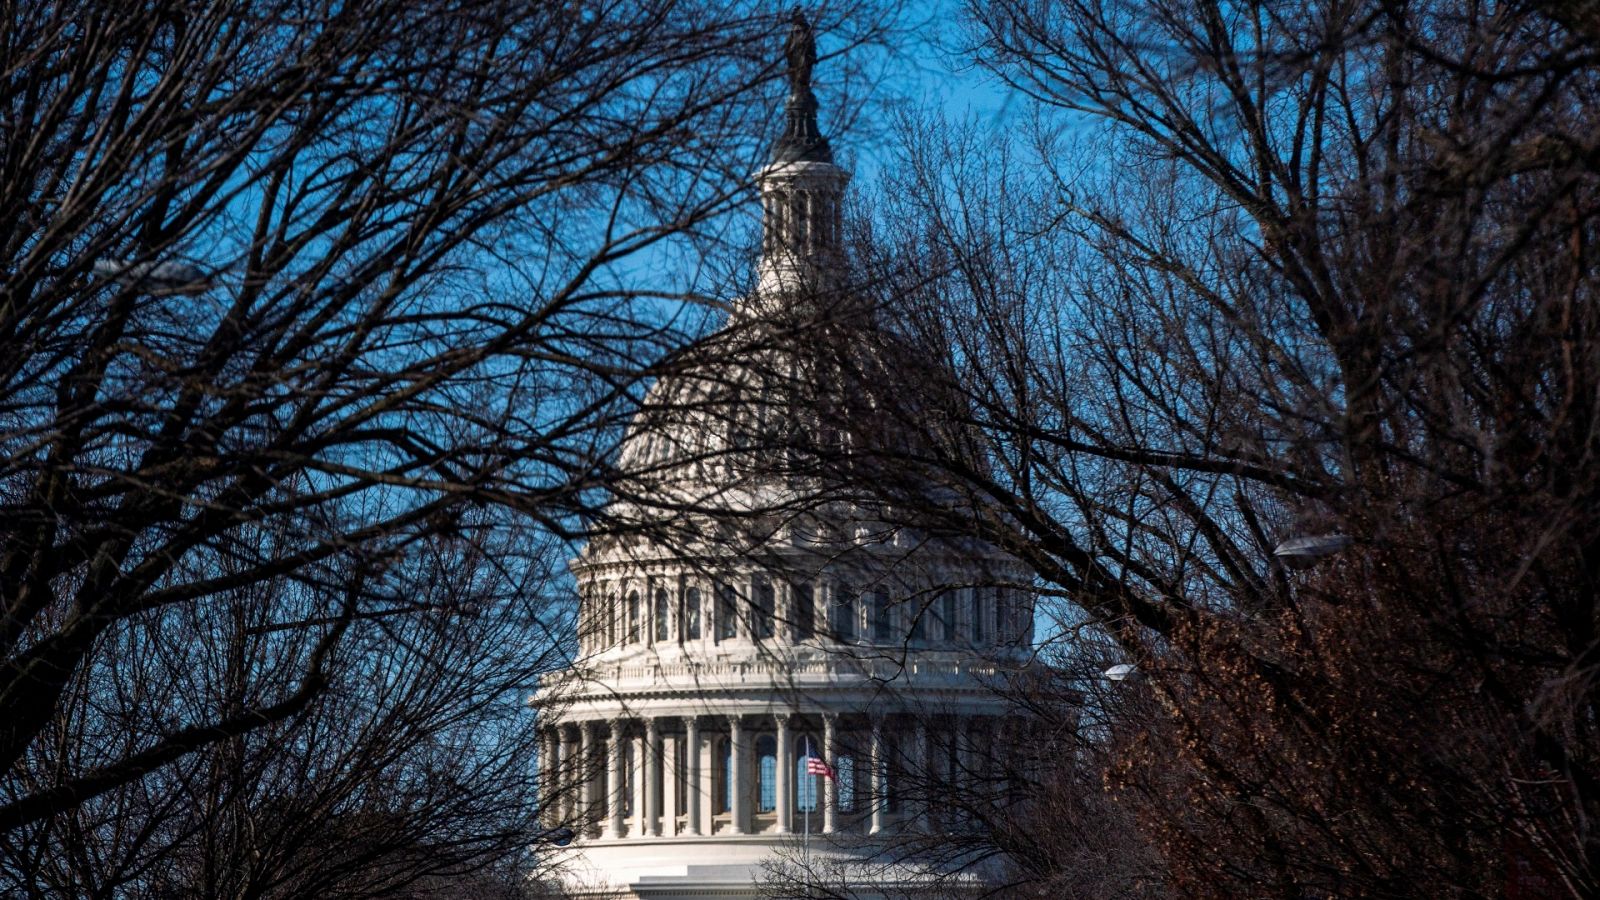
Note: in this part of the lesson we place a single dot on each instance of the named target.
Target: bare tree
(1280, 374)
(312, 310)
(416, 762)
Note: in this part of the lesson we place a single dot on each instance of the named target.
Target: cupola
(802, 194)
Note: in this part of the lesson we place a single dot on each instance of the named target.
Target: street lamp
(165, 277)
(1121, 672)
(1305, 552)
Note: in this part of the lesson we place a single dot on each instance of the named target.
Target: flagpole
(815, 765)
(806, 843)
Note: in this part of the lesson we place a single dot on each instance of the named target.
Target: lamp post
(1304, 552)
(1121, 672)
(154, 277)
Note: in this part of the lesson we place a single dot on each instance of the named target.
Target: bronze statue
(801, 51)
(801, 140)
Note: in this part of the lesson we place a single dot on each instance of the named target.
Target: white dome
(757, 408)
(738, 607)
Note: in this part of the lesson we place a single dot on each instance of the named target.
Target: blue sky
(930, 75)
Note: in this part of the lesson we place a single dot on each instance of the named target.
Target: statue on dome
(801, 52)
(801, 139)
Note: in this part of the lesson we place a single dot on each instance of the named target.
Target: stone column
(636, 777)
(769, 221)
(785, 779)
(736, 779)
(652, 778)
(973, 782)
(548, 792)
(671, 778)
(1004, 758)
(566, 782)
(691, 775)
(615, 787)
(804, 213)
(880, 800)
(586, 799)
(922, 779)
(830, 786)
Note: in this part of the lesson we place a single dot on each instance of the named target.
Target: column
(652, 778)
(589, 617)
(586, 804)
(671, 777)
(691, 777)
(879, 798)
(741, 793)
(1009, 761)
(830, 786)
(785, 779)
(636, 776)
(921, 779)
(548, 792)
(973, 784)
(614, 773)
(566, 782)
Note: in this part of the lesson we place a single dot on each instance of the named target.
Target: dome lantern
(802, 193)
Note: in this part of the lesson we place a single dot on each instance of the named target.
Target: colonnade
(702, 775)
(688, 611)
(802, 221)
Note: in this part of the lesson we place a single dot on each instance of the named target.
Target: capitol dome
(766, 659)
(759, 414)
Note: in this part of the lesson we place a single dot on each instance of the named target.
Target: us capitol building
(768, 669)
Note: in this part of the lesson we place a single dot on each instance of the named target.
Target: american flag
(815, 766)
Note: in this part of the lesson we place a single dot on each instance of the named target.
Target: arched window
(727, 612)
(842, 615)
(763, 609)
(805, 611)
(881, 627)
(767, 767)
(663, 617)
(794, 458)
(613, 615)
(807, 786)
(633, 617)
(691, 614)
(781, 222)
